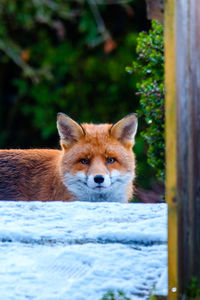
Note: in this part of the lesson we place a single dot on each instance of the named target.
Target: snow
(161, 288)
(80, 250)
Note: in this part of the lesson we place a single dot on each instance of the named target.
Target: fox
(94, 163)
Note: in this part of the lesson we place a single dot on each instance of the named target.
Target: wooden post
(155, 10)
(171, 178)
(188, 138)
(182, 75)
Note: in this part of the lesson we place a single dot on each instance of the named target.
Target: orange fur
(41, 174)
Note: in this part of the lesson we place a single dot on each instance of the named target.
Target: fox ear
(125, 130)
(69, 130)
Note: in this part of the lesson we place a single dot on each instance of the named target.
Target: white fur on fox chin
(116, 192)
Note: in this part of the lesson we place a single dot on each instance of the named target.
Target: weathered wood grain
(188, 138)
(182, 78)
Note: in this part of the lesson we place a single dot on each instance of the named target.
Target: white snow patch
(79, 250)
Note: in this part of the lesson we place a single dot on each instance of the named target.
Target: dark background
(68, 56)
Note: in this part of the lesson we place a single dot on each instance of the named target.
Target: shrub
(149, 68)
(119, 295)
(193, 289)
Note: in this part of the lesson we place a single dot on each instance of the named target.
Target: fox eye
(84, 161)
(110, 160)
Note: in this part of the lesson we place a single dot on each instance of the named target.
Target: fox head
(97, 162)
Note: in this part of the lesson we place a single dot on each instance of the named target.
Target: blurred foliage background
(68, 56)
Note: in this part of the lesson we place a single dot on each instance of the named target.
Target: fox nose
(99, 179)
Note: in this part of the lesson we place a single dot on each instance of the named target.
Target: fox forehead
(96, 133)
(97, 142)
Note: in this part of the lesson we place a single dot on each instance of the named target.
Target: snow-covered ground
(79, 250)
